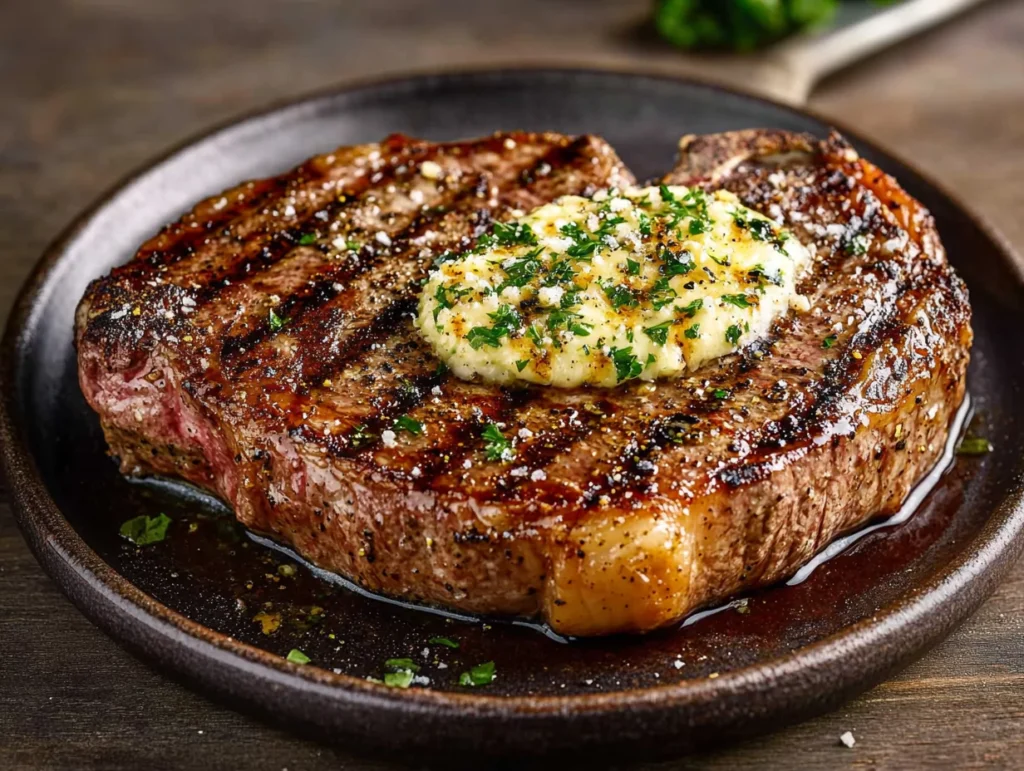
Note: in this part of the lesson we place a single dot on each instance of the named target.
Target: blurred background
(92, 89)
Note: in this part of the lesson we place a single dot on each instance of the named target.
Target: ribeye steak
(260, 347)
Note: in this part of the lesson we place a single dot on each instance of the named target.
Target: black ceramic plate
(223, 610)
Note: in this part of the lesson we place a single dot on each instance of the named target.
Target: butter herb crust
(263, 347)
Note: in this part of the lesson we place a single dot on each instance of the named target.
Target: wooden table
(90, 89)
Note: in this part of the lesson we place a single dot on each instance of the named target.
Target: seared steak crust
(623, 509)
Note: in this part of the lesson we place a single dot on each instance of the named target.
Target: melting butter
(643, 283)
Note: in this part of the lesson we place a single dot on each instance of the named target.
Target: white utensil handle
(810, 58)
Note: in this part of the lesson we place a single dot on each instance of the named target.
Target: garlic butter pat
(644, 283)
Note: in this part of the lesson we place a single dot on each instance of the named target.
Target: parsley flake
(732, 334)
(659, 332)
(690, 309)
(496, 446)
(405, 423)
(445, 641)
(400, 679)
(626, 364)
(739, 300)
(481, 674)
(295, 656)
(276, 322)
(974, 445)
(400, 665)
(143, 530)
(516, 234)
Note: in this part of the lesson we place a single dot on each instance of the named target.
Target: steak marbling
(624, 509)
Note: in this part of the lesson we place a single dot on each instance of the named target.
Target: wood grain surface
(90, 89)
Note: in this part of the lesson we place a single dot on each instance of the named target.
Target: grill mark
(539, 454)
(465, 439)
(276, 188)
(323, 291)
(821, 398)
(399, 400)
(250, 266)
(184, 242)
(413, 151)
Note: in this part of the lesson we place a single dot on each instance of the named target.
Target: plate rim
(936, 607)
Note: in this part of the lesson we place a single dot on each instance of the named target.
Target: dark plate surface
(213, 605)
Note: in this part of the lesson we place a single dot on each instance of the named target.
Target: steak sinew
(263, 346)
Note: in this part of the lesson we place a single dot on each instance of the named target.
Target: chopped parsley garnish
(397, 665)
(829, 341)
(401, 679)
(570, 299)
(732, 334)
(583, 245)
(690, 309)
(661, 294)
(522, 364)
(496, 446)
(521, 271)
(632, 267)
(360, 436)
(620, 295)
(644, 224)
(481, 674)
(974, 445)
(673, 265)
(517, 234)
(445, 641)
(760, 275)
(446, 297)
(297, 657)
(276, 322)
(535, 335)
(760, 230)
(307, 238)
(569, 320)
(143, 530)
(405, 423)
(692, 332)
(693, 205)
(720, 393)
(739, 300)
(506, 321)
(478, 337)
(626, 364)
(560, 272)
(659, 332)
(401, 672)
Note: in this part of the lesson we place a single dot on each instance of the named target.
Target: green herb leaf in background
(742, 25)
(144, 530)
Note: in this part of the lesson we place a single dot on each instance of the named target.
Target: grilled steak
(262, 346)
